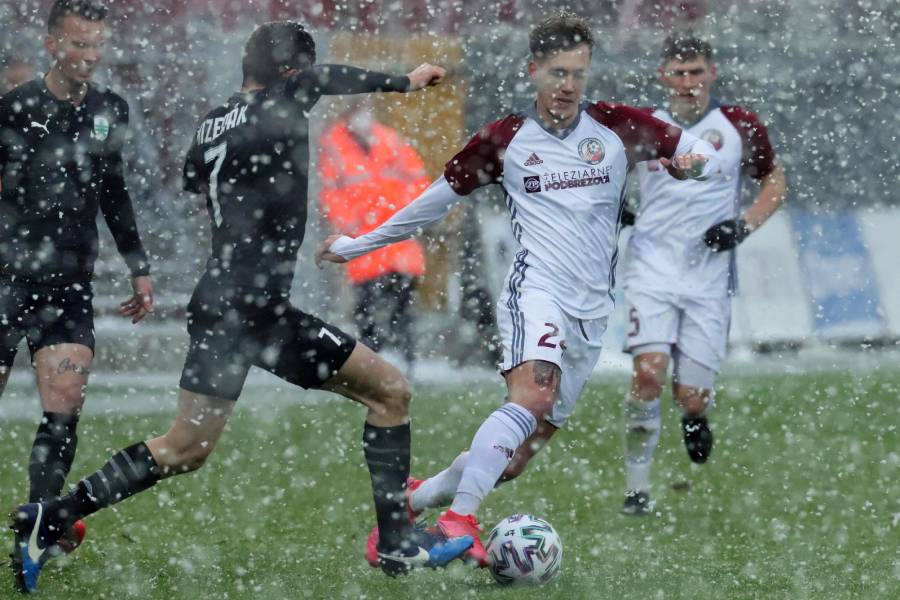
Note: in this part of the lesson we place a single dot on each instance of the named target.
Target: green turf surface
(800, 500)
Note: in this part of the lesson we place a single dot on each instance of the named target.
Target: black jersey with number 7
(250, 156)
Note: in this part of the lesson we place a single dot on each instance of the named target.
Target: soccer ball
(524, 550)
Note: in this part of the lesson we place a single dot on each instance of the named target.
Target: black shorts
(44, 315)
(232, 329)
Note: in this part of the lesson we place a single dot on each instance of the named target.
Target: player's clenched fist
(324, 253)
(425, 75)
(685, 166)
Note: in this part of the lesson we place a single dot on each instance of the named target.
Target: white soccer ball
(524, 550)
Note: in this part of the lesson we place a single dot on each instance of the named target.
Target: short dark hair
(686, 46)
(274, 47)
(86, 9)
(558, 34)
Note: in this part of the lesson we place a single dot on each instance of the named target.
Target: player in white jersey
(562, 165)
(680, 273)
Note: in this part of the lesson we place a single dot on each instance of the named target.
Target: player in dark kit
(250, 157)
(60, 162)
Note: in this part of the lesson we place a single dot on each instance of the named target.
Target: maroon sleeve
(758, 159)
(481, 161)
(645, 137)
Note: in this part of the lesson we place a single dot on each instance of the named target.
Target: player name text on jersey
(213, 128)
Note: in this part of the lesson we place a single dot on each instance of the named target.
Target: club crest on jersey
(591, 151)
(532, 184)
(101, 128)
(714, 137)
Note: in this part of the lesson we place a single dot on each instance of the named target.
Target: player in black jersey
(60, 162)
(250, 157)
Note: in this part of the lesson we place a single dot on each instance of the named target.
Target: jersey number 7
(216, 153)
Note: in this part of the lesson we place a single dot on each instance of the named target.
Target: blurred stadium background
(823, 75)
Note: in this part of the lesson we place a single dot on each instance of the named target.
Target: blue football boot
(34, 540)
(423, 549)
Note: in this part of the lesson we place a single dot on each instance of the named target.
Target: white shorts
(532, 326)
(696, 327)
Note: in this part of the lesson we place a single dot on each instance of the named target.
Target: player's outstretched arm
(324, 253)
(344, 79)
(425, 75)
(463, 174)
(731, 232)
(693, 159)
(431, 206)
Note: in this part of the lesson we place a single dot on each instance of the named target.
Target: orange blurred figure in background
(368, 172)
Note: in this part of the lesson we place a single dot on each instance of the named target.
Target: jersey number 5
(635, 322)
(216, 153)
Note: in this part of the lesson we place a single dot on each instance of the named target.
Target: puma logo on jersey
(36, 125)
(534, 159)
(210, 129)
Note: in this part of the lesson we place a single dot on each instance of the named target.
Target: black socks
(127, 473)
(51, 455)
(387, 455)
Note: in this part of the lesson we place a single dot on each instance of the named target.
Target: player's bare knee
(692, 401)
(536, 392)
(394, 397)
(647, 383)
(539, 403)
(66, 397)
(649, 375)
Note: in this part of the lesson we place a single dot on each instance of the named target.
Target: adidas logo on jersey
(534, 159)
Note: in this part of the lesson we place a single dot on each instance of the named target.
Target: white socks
(493, 447)
(439, 490)
(641, 438)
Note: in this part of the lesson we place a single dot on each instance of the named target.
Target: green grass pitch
(800, 499)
